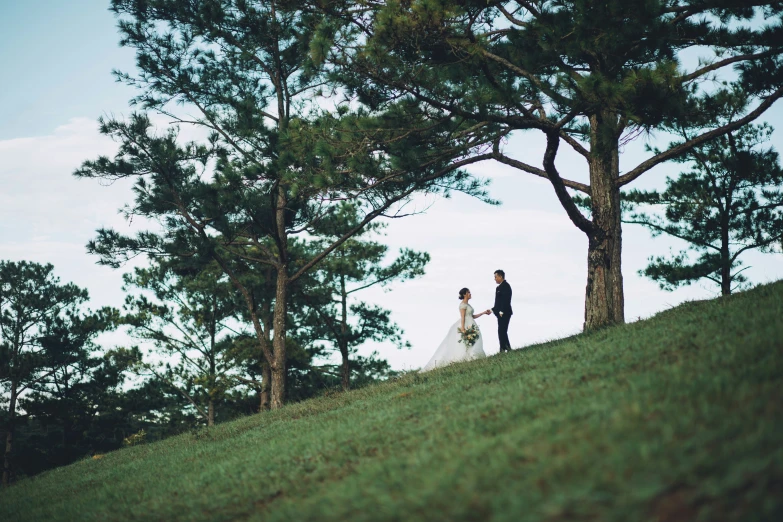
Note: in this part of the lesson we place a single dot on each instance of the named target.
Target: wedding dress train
(451, 350)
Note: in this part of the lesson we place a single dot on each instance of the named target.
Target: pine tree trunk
(277, 399)
(265, 402)
(617, 262)
(212, 365)
(9, 437)
(345, 370)
(278, 365)
(604, 299)
(266, 387)
(7, 457)
(725, 264)
(725, 284)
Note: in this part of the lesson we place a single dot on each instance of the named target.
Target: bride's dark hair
(462, 293)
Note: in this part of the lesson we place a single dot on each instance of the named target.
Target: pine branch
(751, 246)
(728, 61)
(497, 155)
(543, 86)
(650, 224)
(379, 211)
(707, 136)
(581, 222)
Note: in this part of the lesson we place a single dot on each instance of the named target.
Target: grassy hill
(672, 418)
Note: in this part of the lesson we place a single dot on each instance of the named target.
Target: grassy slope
(668, 418)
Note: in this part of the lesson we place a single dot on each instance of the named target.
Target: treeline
(191, 359)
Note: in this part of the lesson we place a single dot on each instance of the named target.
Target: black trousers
(503, 321)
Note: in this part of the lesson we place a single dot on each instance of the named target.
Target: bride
(451, 350)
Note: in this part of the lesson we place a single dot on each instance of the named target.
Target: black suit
(503, 304)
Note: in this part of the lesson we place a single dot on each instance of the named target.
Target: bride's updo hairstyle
(462, 293)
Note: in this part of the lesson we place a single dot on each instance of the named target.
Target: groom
(502, 309)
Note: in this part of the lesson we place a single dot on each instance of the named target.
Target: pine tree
(592, 75)
(44, 333)
(82, 408)
(190, 320)
(358, 264)
(731, 201)
(275, 161)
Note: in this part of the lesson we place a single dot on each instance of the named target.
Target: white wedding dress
(451, 350)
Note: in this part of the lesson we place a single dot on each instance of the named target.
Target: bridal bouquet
(469, 336)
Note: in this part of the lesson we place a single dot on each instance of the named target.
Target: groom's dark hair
(501, 273)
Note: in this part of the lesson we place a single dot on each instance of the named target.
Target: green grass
(678, 417)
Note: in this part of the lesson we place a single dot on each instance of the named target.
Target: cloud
(47, 215)
(40, 196)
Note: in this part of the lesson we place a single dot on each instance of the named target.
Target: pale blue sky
(56, 62)
(55, 71)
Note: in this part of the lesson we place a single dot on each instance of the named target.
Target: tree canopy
(275, 162)
(592, 75)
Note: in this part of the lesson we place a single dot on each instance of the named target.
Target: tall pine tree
(274, 163)
(589, 74)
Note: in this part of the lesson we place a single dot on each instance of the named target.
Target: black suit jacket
(503, 299)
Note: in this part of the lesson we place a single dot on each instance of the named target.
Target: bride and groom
(457, 346)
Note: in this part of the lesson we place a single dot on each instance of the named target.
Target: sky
(55, 68)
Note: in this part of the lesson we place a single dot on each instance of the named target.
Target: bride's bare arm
(462, 315)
